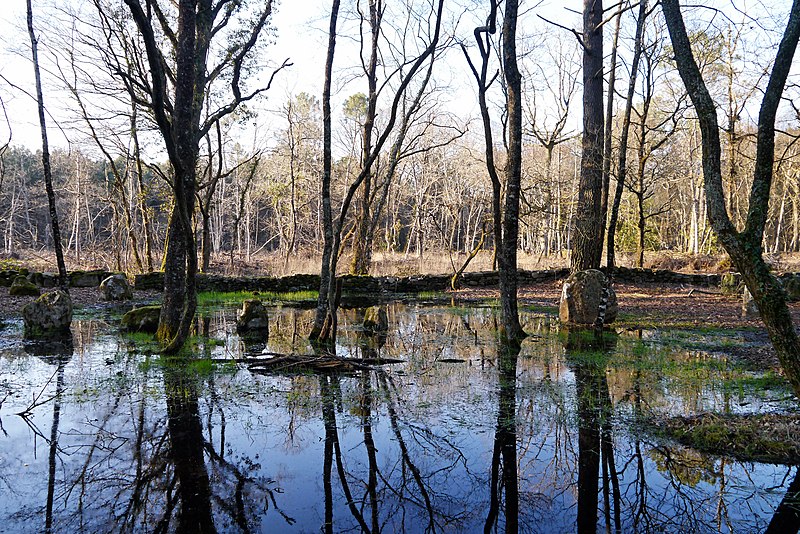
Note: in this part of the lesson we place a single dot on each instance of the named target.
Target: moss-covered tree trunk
(745, 247)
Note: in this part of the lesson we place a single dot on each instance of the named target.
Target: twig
(695, 290)
(34, 403)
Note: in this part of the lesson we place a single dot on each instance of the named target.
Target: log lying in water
(281, 363)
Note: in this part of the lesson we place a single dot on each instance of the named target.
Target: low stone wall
(359, 287)
(662, 276)
(350, 284)
(76, 278)
(211, 282)
(393, 284)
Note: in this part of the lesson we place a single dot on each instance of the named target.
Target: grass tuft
(211, 298)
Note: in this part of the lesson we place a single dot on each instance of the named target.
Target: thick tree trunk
(587, 243)
(745, 248)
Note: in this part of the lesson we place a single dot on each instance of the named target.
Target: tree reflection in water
(187, 454)
(234, 497)
(587, 352)
(398, 496)
(504, 482)
(58, 353)
(497, 439)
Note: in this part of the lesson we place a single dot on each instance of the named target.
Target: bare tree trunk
(324, 328)
(63, 282)
(325, 321)
(622, 167)
(745, 247)
(142, 194)
(607, 137)
(362, 244)
(510, 325)
(587, 245)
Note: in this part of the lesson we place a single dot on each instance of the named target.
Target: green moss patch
(211, 298)
(769, 438)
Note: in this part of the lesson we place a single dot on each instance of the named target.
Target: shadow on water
(467, 434)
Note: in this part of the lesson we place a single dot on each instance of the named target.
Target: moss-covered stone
(49, 316)
(7, 276)
(144, 319)
(22, 287)
(35, 278)
(116, 287)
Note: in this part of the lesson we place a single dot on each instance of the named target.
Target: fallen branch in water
(276, 362)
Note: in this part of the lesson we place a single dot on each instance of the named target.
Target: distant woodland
(429, 193)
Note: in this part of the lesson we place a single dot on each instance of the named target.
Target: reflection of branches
(382, 377)
(36, 402)
(237, 511)
(442, 444)
(409, 484)
(505, 444)
(332, 437)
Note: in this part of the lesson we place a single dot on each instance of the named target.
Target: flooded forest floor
(683, 403)
(773, 438)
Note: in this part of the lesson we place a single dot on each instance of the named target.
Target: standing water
(464, 435)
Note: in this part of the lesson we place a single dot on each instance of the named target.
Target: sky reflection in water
(115, 440)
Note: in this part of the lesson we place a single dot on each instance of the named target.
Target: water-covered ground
(463, 436)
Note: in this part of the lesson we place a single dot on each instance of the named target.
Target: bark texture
(745, 247)
(587, 244)
(510, 326)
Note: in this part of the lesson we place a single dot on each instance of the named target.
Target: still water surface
(463, 436)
